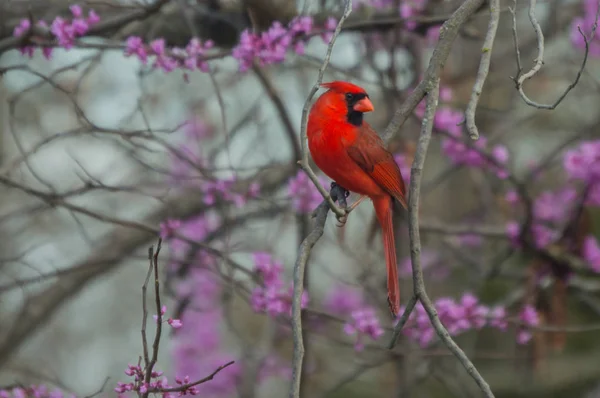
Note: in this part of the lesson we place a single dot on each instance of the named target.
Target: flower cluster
(37, 391)
(190, 58)
(174, 323)
(138, 384)
(404, 165)
(169, 228)
(586, 23)
(583, 164)
(591, 253)
(197, 347)
(65, 32)
(363, 321)
(224, 189)
(270, 47)
(273, 297)
(455, 145)
(464, 315)
(551, 209)
(305, 196)
(187, 165)
(529, 318)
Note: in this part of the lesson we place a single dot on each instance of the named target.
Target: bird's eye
(349, 96)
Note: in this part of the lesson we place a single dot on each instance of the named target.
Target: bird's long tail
(383, 210)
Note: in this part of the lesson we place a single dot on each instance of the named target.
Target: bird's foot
(339, 194)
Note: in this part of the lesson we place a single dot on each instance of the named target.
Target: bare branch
(448, 34)
(304, 145)
(539, 61)
(321, 212)
(484, 67)
(420, 292)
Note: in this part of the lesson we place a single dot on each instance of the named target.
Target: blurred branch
(149, 365)
(97, 30)
(539, 61)
(321, 217)
(420, 293)
(110, 251)
(448, 33)
(484, 67)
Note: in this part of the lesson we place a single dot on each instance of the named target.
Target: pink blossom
(586, 24)
(342, 300)
(591, 253)
(405, 167)
(330, 25)
(135, 46)
(175, 323)
(529, 317)
(363, 323)
(273, 297)
(305, 196)
(457, 316)
(169, 228)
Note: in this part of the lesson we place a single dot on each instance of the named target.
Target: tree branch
(484, 67)
(539, 61)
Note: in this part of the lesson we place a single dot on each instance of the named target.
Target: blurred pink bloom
(363, 323)
(175, 323)
(342, 300)
(305, 196)
(586, 24)
(404, 166)
(529, 317)
(169, 228)
(591, 253)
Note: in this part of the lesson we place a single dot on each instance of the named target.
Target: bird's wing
(370, 154)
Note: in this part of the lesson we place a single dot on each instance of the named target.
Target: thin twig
(184, 387)
(410, 306)
(304, 161)
(145, 311)
(153, 257)
(539, 61)
(448, 33)
(415, 243)
(484, 67)
(321, 212)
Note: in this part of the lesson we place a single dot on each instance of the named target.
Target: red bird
(351, 153)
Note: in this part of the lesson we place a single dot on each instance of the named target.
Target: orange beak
(364, 105)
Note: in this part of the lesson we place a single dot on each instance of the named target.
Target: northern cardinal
(351, 153)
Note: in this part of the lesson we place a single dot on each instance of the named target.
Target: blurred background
(126, 121)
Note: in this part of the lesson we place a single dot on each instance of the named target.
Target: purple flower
(304, 194)
(169, 228)
(405, 167)
(342, 300)
(135, 46)
(22, 28)
(529, 316)
(273, 297)
(363, 323)
(586, 23)
(591, 253)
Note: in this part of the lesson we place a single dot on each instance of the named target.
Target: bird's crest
(343, 87)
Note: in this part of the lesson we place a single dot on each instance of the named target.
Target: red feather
(356, 158)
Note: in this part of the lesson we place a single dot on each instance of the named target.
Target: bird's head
(347, 100)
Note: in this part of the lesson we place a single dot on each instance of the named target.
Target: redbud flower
(363, 323)
(591, 253)
(175, 323)
(305, 196)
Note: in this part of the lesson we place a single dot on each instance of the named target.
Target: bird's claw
(342, 220)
